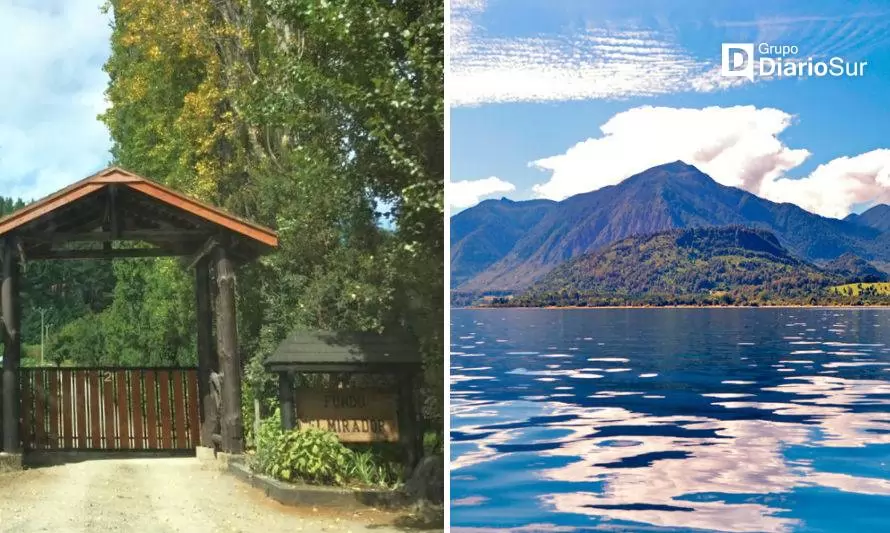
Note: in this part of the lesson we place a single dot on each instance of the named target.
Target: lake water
(670, 420)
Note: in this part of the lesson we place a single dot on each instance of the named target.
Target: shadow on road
(429, 518)
(47, 458)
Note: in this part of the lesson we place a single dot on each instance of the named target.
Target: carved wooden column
(11, 308)
(229, 358)
(207, 362)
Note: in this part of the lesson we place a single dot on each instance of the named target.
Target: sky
(551, 98)
(51, 90)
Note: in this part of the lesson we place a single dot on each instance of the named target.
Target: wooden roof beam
(115, 253)
(205, 250)
(181, 236)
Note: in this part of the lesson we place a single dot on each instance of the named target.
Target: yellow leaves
(167, 65)
(203, 125)
(135, 87)
(206, 175)
(162, 27)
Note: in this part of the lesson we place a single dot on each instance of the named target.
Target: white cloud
(833, 188)
(615, 59)
(737, 146)
(593, 63)
(469, 192)
(53, 88)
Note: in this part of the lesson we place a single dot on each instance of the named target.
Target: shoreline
(601, 307)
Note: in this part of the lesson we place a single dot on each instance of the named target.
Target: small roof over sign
(327, 351)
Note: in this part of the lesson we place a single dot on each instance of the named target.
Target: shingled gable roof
(309, 350)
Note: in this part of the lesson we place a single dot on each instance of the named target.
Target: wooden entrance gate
(109, 408)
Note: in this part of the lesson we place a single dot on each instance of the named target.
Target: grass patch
(857, 289)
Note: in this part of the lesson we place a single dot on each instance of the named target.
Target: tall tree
(322, 119)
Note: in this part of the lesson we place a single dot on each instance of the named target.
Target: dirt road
(158, 495)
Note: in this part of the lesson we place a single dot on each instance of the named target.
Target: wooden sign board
(355, 415)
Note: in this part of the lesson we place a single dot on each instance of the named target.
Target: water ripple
(678, 430)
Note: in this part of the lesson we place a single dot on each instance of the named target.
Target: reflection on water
(671, 420)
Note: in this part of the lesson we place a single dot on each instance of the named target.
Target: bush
(260, 385)
(309, 455)
(372, 469)
(266, 439)
(316, 456)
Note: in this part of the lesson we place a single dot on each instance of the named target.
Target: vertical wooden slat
(67, 409)
(127, 409)
(179, 408)
(165, 414)
(80, 402)
(108, 404)
(40, 441)
(136, 407)
(151, 406)
(95, 423)
(123, 410)
(54, 409)
(26, 432)
(194, 423)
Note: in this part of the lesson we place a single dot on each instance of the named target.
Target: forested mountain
(308, 117)
(855, 269)
(665, 197)
(877, 217)
(482, 235)
(683, 266)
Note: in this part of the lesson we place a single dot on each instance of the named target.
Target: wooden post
(286, 397)
(207, 363)
(408, 420)
(11, 308)
(229, 358)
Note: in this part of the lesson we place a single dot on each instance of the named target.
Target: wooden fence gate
(109, 408)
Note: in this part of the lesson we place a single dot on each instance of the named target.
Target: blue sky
(551, 98)
(51, 88)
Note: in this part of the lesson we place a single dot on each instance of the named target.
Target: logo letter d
(737, 60)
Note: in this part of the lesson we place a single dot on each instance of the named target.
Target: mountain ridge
(877, 217)
(666, 197)
(691, 262)
(482, 234)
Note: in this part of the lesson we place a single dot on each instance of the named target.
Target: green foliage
(307, 455)
(321, 119)
(862, 289)
(63, 291)
(371, 469)
(81, 340)
(261, 386)
(305, 115)
(433, 443)
(703, 266)
(148, 321)
(316, 456)
(267, 437)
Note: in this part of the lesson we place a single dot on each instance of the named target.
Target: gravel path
(158, 495)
